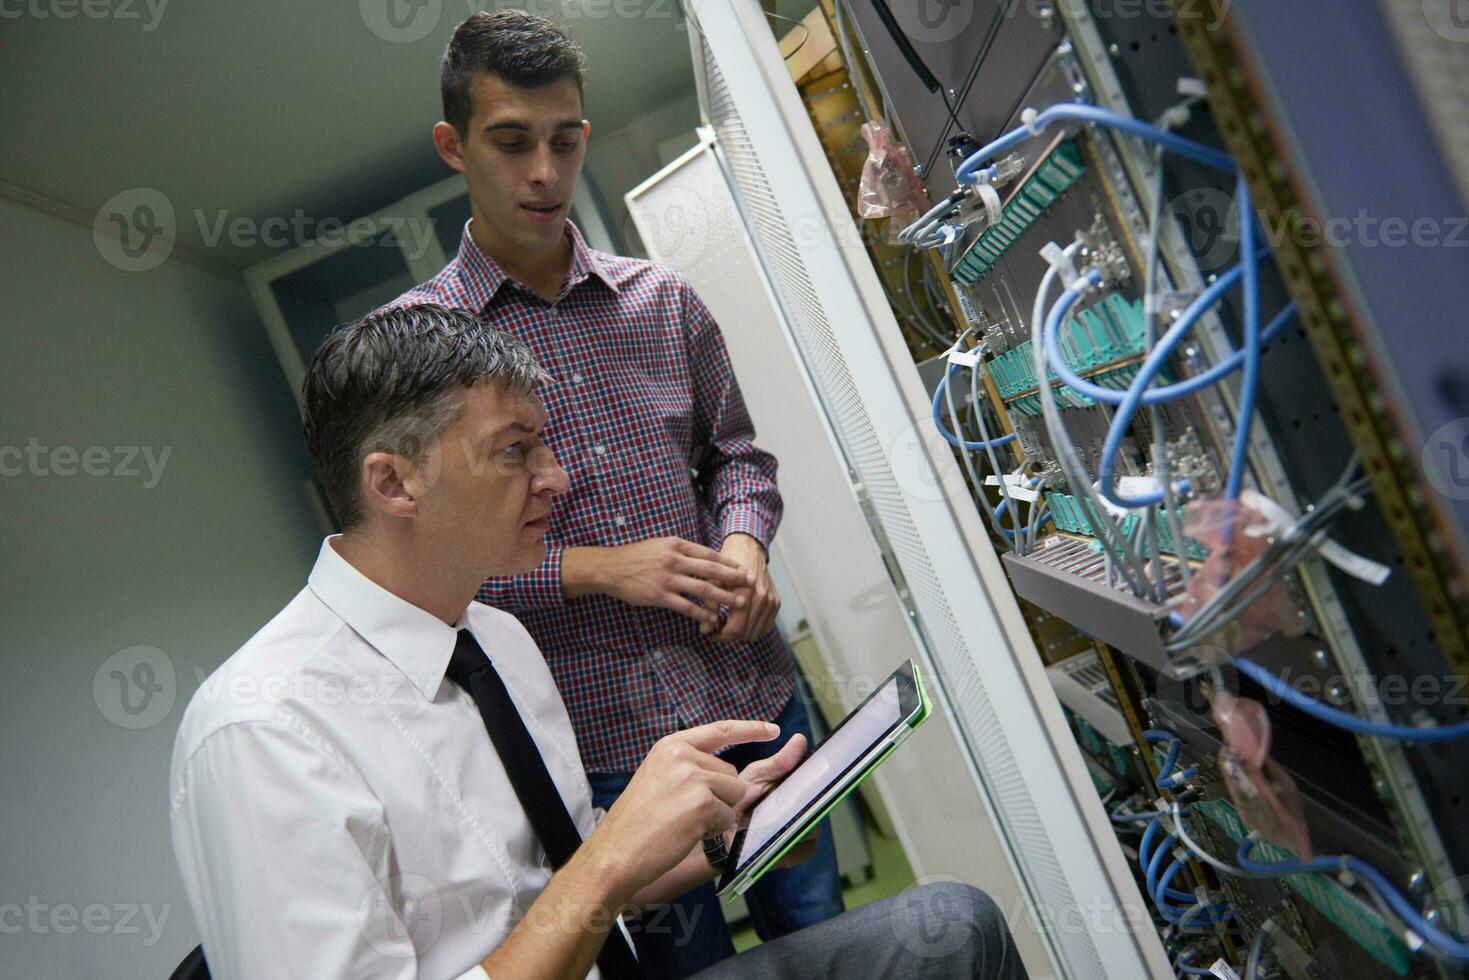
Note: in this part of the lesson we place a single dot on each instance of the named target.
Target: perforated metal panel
(813, 256)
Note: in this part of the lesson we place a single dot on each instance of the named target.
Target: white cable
(1066, 455)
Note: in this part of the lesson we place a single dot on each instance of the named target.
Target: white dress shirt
(337, 807)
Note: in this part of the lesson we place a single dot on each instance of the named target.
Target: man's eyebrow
(521, 127)
(515, 426)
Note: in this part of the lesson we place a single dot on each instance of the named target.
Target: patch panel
(1079, 517)
(1057, 172)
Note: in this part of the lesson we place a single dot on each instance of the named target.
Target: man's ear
(586, 129)
(388, 484)
(450, 145)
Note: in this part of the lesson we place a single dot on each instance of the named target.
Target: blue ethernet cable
(1250, 383)
(1447, 945)
(1154, 362)
(1179, 389)
(967, 171)
(1145, 857)
(1170, 779)
(1344, 719)
(1005, 505)
(1183, 965)
(949, 437)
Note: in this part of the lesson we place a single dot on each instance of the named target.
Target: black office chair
(192, 967)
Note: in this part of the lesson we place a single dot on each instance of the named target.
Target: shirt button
(619, 520)
(576, 379)
(600, 449)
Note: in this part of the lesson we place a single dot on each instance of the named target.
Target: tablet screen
(863, 729)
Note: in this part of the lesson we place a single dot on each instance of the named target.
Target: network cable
(1250, 384)
(1020, 543)
(1449, 946)
(1106, 471)
(1168, 778)
(1188, 386)
(973, 476)
(1113, 542)
(1138, 392)
(1035, 123)
(1182, 965)
(1343, 719)
(1257, 949)
(939, 395)
(1161, 464)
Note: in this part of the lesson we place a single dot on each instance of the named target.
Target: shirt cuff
(478, 973)
(747, 520)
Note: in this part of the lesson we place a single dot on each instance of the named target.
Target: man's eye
(510, 147)
(565, 146)
(514, 450)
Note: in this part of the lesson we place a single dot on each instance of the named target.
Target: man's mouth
(541, 212)
(543, 522)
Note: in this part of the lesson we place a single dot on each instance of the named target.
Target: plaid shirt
(646, 417)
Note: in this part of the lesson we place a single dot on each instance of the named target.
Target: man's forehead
(494, 406)
(495, 101)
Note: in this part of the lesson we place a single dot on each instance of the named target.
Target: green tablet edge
(926, 706)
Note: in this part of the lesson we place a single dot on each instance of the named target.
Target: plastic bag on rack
(1263, 793)
(890, 187)
(1236, 534)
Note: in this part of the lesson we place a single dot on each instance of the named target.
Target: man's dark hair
(393, 381)
(523, 48)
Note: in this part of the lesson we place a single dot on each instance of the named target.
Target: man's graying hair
(393, 381)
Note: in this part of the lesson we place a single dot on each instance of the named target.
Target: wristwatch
(716, 851)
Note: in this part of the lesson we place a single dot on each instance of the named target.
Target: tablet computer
(837, 766)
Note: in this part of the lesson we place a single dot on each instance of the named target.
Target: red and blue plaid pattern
(647, 418)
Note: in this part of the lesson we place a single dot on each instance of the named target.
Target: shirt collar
(482, 276)
(414, 640)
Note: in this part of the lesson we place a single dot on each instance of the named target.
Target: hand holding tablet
(837, 766)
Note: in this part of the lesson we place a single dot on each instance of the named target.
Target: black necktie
(471, 670)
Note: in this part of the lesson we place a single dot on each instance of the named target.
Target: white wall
(170, 359)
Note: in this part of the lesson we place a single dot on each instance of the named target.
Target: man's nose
(543, 167)
(549, 476)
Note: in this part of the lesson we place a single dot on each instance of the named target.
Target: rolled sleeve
(738, 476)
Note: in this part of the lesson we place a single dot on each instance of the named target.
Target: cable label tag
(1279, 519)
(1056, 257)
(1223, 970)
(1137, 486)
(964, 358)
(1018, 486)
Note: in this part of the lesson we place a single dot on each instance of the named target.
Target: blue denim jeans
(689, 935)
